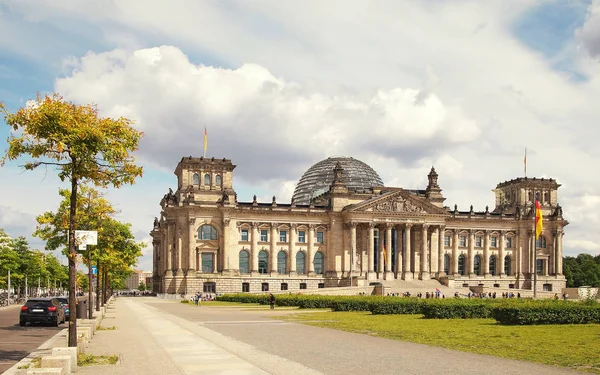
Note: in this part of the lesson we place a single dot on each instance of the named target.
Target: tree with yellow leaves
(83, 147)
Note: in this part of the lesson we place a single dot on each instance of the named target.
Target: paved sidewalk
(147, 343)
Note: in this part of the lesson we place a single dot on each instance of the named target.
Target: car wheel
(22, 323)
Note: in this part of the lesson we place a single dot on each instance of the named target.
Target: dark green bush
(547, 312)
(457, 309)
(393, 305)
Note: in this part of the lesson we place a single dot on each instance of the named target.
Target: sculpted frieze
(398, 204)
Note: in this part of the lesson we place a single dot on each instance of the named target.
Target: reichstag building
(343, 227)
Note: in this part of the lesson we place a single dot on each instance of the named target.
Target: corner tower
(207, 178)
(522, 192)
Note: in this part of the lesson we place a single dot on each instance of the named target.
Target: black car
(64, 301)
(42, 310)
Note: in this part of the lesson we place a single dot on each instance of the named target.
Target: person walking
(272, 300)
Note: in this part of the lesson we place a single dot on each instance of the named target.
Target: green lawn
(574, 346)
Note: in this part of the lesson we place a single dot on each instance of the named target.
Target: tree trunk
(98, 285)
(72, 265)
(90, 283)
(104, 286)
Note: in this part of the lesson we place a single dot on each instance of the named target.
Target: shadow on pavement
(13, 355)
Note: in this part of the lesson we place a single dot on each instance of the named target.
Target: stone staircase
(421, 286)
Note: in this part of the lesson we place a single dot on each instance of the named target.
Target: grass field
(573, 346)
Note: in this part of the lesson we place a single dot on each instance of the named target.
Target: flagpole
(525, 162)
(535, 250)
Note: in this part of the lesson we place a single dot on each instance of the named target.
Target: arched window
(218, 180)
(537, 195)
(447, 263)
(300, 263)
(461, 264)
(477, 265)
(282, 262)
(493, 265)
(318, 263)
(507, 265)
(530, 196)
(263, 262)
(546, 197)
(244, 261)
(196, 179)
(207, 232)
(541, 242)
(207, 179)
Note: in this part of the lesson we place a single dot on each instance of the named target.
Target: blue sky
(282, 85)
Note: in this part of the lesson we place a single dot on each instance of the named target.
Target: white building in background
(133, 282)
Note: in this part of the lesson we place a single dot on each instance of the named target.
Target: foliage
(91, 359)
(82, 281)
(9, 259)
(392, 305)
(142, 286)
(583, 270)
(458, 308)
(558, 345)
(547, 312)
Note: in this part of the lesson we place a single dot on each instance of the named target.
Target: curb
(36, 353)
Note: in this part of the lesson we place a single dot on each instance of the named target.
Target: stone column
(380, 260)
(226, 247)
(192, 245)
(518, 255)
(399, 259)
(408, 275)
(292, 242)
(273, 249)
(352, 247)
(155, 250)
(434, 251)
(169, 249)
(471, 262)
(370, 249)
(454, 269)
(389, 275)
(486, 254)
(311, 249)
(559, 257)
(441, 250)
(254, 248)
(179, 242)
(424, 252)
(502, 253)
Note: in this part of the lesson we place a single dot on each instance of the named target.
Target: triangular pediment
(399, 201)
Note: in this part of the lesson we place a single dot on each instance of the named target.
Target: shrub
(457, 309)
(547, 312)
(391, 305)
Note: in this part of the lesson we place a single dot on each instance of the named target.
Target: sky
(280, 85)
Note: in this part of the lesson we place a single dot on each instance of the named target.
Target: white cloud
(590, 31)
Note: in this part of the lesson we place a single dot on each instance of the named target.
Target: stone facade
(205, 240)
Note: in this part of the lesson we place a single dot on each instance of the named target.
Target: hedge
(547, 312)
(393, 305)
(458, 309)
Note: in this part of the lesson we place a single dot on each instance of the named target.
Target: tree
(9, 259)
(583, 270)
(83, 146)
(142, 286)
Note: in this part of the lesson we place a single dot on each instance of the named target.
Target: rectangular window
(494, 242)
(320, 237)
(463, 241)
(282, 236)
(302, 285)
(284, 286)
(207, 262)
(245, 287)
(301, 236)
(321, 285)
(509, 242)
(264, 287)
(478, 241)
(447, 240)
(244, 234)
(264, 235)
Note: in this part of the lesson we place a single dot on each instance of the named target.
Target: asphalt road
(17, 342)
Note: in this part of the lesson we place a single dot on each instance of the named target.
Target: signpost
(83, 238)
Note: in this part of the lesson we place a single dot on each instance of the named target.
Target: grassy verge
(572, 346)
(101, 328)
(92, 360)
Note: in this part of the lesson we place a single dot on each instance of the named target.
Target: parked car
(42, 310)
(64, 301)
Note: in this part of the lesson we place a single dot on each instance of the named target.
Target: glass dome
(318, 178)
